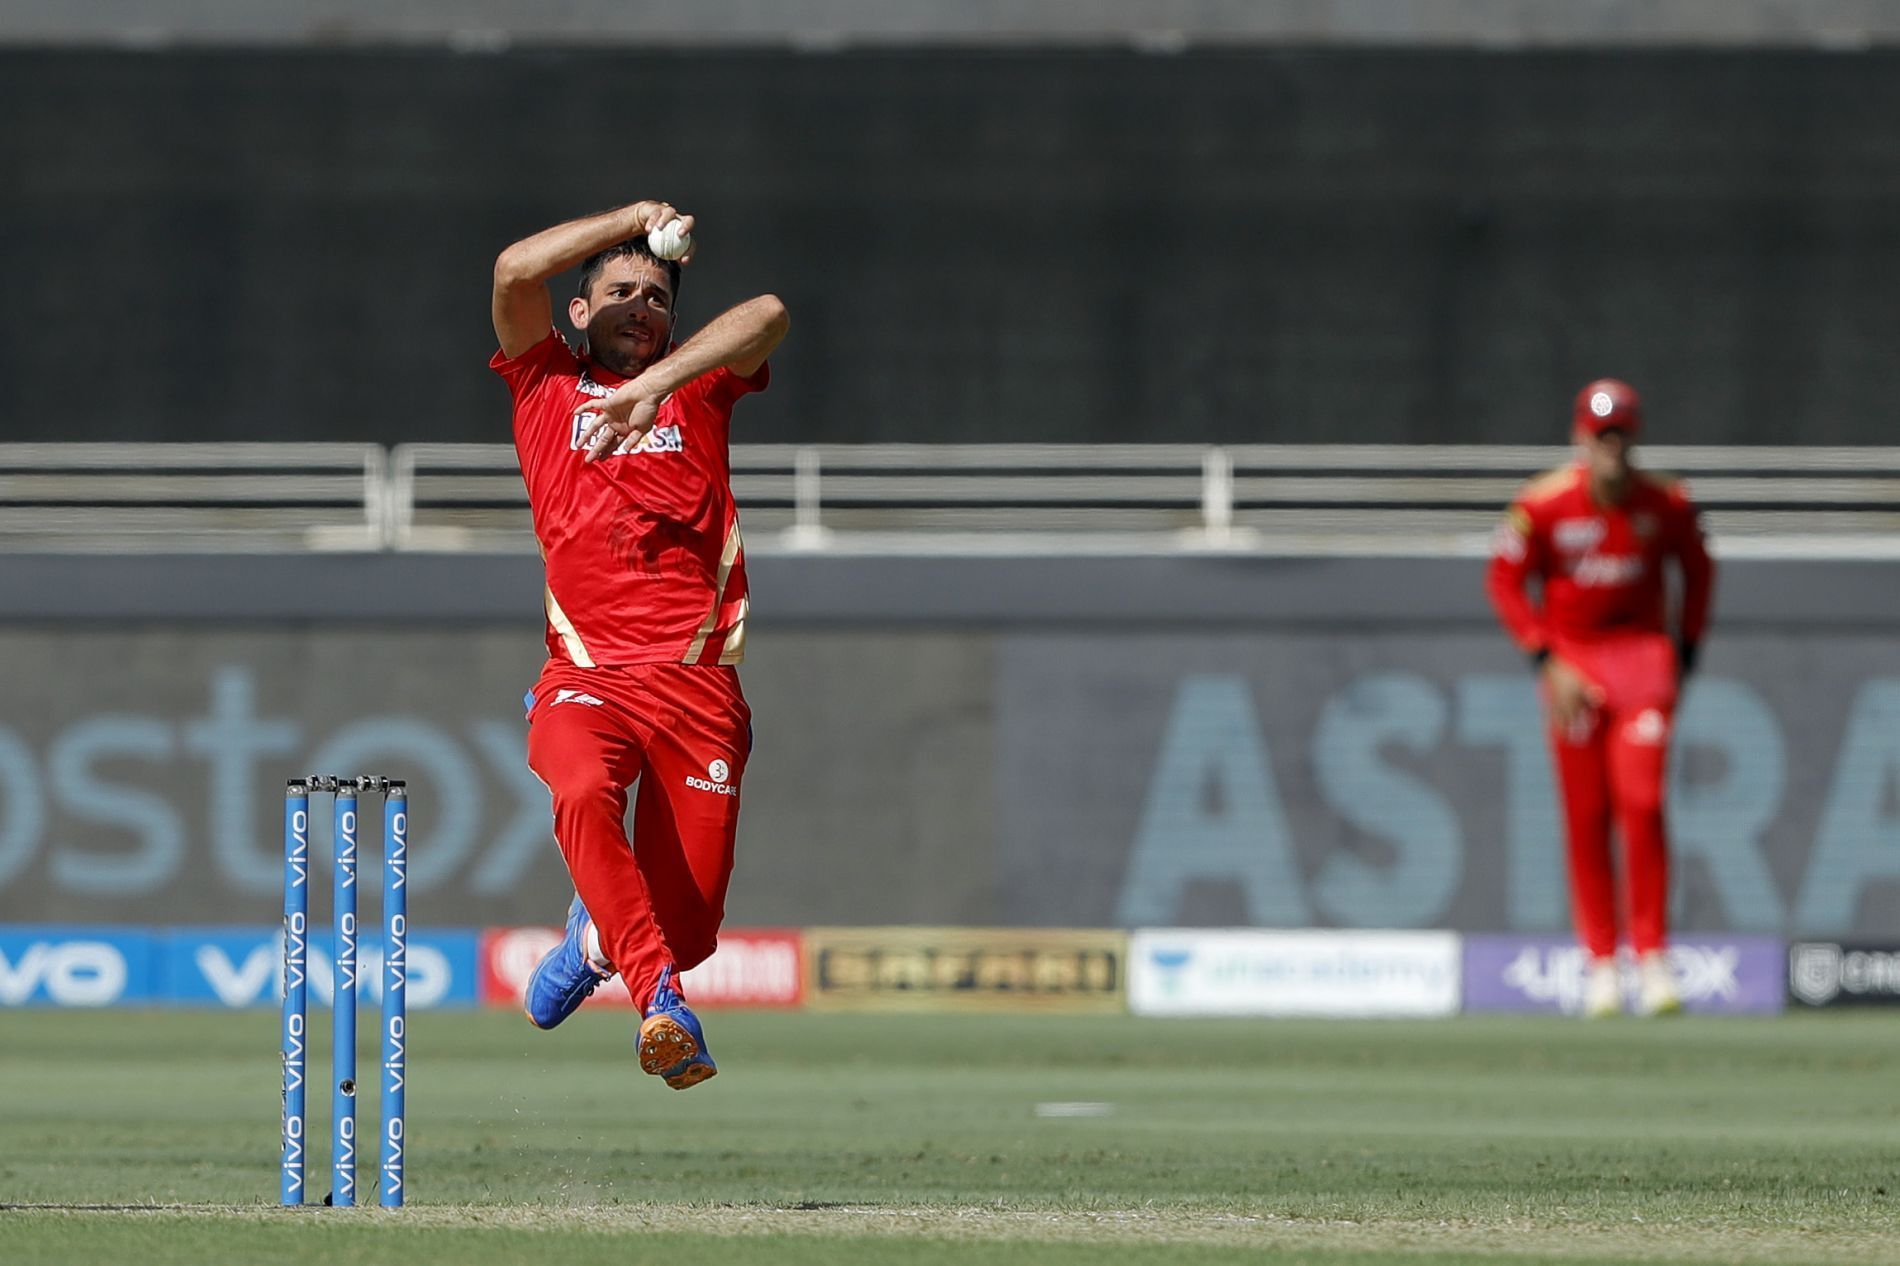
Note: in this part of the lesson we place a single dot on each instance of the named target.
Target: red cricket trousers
(1612, 766)
(681, 734)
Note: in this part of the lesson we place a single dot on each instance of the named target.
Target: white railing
(260, 498)
(917, 498)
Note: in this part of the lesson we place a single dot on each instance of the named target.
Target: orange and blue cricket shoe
(672, 1047)
(563, 978)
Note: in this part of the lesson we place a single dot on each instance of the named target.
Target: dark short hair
(635, 247)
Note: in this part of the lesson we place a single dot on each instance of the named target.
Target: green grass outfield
(151, 1137)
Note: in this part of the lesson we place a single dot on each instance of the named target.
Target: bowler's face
(628, 315)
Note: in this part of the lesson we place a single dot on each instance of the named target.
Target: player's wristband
(1539, 656)
(1686, 652)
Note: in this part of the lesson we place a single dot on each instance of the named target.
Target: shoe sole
(665, 1045)
(691, 1076)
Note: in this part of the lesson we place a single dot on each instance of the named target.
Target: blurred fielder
(1596, 535)
(623, 447)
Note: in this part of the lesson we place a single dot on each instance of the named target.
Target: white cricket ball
(670, 240)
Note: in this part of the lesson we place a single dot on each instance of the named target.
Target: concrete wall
(1040, 741)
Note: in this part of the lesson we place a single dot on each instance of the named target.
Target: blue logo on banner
(60, 966)
(1170, 962)
(213, 966)
(244, 967)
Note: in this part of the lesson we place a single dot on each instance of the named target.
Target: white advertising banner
(1310, 973)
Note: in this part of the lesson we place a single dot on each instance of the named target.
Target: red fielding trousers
(681, 734)
(1612, 768)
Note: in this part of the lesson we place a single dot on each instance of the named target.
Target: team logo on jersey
(715, 781)
(1577, 535)
(1601, 404)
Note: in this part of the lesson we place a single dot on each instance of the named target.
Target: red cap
(1607, 403)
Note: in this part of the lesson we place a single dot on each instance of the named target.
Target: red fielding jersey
(644, 561)
(1601, 567)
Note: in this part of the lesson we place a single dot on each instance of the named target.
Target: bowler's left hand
(620, 422)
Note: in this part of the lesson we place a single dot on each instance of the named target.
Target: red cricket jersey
(644, 561)
(1601, 567)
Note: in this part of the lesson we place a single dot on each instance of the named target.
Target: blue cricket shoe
(563, 978)
(672, 1046)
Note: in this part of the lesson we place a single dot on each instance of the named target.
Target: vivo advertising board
(244, 967)
(1315, 973)
(1719, 975)
(69, 966)
(74, 966)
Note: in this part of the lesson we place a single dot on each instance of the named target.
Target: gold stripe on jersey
(564, 627)
(735, 640)
(727, 558)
